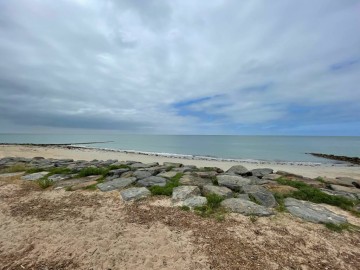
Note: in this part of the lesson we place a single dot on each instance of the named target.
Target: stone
(272, 176)
(261, 195)
(75, 181)
(118, 172)
(195, 201)
(138, 165)
(238, 169)
(191, 180)
(346, 189)
(245, 207)
(118, 183)
(173, 164)
(312, 212)
(277, 188)
(83, 185)
(133, 194)
(220, 191)
(186, 168)
(233, 182)
(11, 175)
(127, 174)
(344, 181)
(243, 197)
(184, 192)
(344, 194)
(152, 181)
(167, 175)
(261, 172)
(142, 174)
(34, 176)
(206, 174)
(59, 177)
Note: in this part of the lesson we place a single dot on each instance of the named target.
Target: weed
(92, 187)
(92, 171)
(34, 170)
(59, 170)
(185, 208)
(168, 188)
(214, 201)
(121, 166)
(45, 182)
(337, 228)
(15, 168)
(214, 180)
(212, 208)
(280, 200)
(320, 179)
(253, 218)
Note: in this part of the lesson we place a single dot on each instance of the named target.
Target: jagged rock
(127, 174)
(238, 169)
(220, 191)
(117, 183)
(142, 174)
(11, 175)
(83, 185)
(152, 181)
(132, 194)
(118, 172)
(233, 182)
(184, 192)
(34, 176)
(210, 169)
(75, 181)
(343, 181)
(167, 175)
(272, 176)
(195, 201)
(245, 207)
(172, 164)
(344, 194)
(190, 180)
(187, 168)
(261, 172)
(243, 197)
(59, 177)
(312, 212)
(261, 195)
(346, 189)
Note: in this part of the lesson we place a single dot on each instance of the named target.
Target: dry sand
(90, 154)
(52, 229)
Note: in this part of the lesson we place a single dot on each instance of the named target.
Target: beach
(311, 170)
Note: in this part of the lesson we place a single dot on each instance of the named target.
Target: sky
(251, 67)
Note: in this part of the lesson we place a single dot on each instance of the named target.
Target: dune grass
(167, 190)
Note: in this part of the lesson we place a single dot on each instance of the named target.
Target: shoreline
(88, 153)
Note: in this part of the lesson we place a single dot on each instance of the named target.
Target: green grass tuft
(93, 171)
(44, 182)
(185, 208)
(168, 188)
(212, 208)
(121, 166)
(15, 168)
(59, 170)
(34, 170)
(92, 187)
(337, 228)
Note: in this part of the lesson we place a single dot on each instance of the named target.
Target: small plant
(214, 201)
(169, 168)
(212, 208)
(59, 170)
(92, 187)
(34, 170)
(214, 180)
(92, 171)
(185, 208)
(15, 168)
(253, 218)
(320, 179)
(337, 228)
(45, 182)
(168, 188)
(280, 200)
(121, 166)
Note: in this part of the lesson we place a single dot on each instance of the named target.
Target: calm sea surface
(271, 148)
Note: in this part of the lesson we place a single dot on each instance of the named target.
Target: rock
(282, 189)
(312, 212)
(118, 172)
(220, 191)
(152, 181)
(195, 201)
(59, 177)
(190, 180)
(257, 181)
(184, 192)
(34, 176)
(75, 181)
(347, 181)
(261, 172)
(245, 207)
(127, 174)
(344, 194)
(243, 197)
(173, 164)
(138, 165)
(167, 175)
(210, 169)
(261, 195)
(233, 182)
(346, 189)
(134, 193)
(83, 185)
(141, 174)
(118, 183)
(272, 176)
(206, 174)
(11, 175)
(187, 168)
(238, 169)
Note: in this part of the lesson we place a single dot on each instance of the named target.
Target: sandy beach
(311, 171)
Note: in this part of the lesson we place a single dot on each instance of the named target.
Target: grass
(253, 218)
(168, 188)
(121, 166)
(280, 200)
(34, 170)
(44, 182)
(92, 187)
(212, 208)
(337, 228)
(93, 171)
(185, 208)
(59, 170)
(15, 168)
(315, 195)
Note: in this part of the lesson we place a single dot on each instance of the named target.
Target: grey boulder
(312, 212)
(233, 182)
(152, 181)
(184, 192)
(191, 180)
(245, 207)
(34, 176)
(238, 169)
(118, 183)
(195, 201)
(59, 177)
(220, 191)
(261, 195)
(261, 172)
(142, 174)
(133, 194)
(167, 175)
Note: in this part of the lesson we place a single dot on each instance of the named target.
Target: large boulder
(152, 181)
(350, 196)
(184, 192)
(59, 177)
(220, 191)
(195, 201)
(34, 176)
(167, 175)
(118, 172)
(343, 181)
(118, 183)
(261, 195)
(191, 180)
(133, 194)
(261, 172)
(346, 189)
(75, 181)
(172, 164)
(234, 182)
(238, 169)
(245, 207)
(312, 212)
(142, 174)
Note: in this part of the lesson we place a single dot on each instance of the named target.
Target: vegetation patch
(212, 208)
(34, 170)
(44, 182)
(338, 228)
(59, 170)
(93, 171)
(167, 190)
(185, 208)
(121, 166)
(15, 168)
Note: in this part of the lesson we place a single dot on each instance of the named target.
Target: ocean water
(266, 148)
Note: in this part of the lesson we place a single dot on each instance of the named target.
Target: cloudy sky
(180, 67)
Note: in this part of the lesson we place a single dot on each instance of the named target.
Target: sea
(221, 147)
